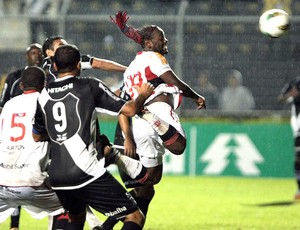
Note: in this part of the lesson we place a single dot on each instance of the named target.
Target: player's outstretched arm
(170, 77)
(135, 106)
(107, 65)
(131, 32)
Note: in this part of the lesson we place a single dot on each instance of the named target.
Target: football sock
(92, 219)
(129, 225)
(75, 226)
(166, 132)
(60, 221)
(142, 202)
(15, 218)
(131, 167)
(297, 172)
(160, 126)
(109, 223)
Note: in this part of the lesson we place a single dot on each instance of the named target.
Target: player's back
(20, 155)
(69, 106)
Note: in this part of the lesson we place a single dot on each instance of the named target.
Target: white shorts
(148, 143)
(166, 113)
(39, 202)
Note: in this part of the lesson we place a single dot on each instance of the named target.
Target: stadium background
(210, 34)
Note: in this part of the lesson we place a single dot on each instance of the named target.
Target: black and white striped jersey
(66, 110)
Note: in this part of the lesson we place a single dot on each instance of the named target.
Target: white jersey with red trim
(21, 158)
(146, 67)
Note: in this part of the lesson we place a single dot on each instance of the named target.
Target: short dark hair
(66, 58)
(147, 33)
(48, 43)
(33, 77)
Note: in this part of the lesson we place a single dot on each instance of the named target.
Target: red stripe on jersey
(149, 75)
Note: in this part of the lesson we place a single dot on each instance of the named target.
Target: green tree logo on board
(230, 152)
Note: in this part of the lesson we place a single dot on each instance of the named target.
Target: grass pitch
(196, 203)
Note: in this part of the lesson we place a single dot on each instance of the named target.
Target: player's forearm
(125, 126)
(134, 106)
(107, 65)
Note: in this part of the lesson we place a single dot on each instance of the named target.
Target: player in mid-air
(290, 93)
(160, 124)
(150, 65)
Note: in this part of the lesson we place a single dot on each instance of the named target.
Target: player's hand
(201, 103)
(121, 19)
(129, 147)
(145, 89)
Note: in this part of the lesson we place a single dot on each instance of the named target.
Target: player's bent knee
(177, 147)
(155, 175)
(136, 217)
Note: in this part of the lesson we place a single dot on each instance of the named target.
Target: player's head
(34, 54)
(50, 45)
(33, 78)
(153, 39)
(67, 59)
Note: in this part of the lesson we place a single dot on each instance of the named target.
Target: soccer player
(150, 65)
(290, 93)
(66, 115)
(23, 161)
(34, 57)
(88, 62)
(161, 129)
(132, 168)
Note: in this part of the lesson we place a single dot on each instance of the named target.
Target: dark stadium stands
(217, 45)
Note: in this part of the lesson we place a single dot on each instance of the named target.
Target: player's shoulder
(157, 56)
(16, 74)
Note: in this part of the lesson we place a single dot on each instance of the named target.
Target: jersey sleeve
(159, 64)
(38, 123)
(105, 99)
(86, 62)
(5, 95)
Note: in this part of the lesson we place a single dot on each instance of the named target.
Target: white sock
(130, 166)
(92, 219)
(160, 126)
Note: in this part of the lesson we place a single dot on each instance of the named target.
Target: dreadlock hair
(147, 33)
(33, 77)
(66, 58)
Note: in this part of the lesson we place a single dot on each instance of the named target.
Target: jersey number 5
(17, 124)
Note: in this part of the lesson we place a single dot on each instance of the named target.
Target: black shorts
(106, 195)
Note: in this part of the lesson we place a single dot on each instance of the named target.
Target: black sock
(15, 218)
(60, 221)
(143, 204)
(75, 226)
(169, 134)
(109, 223)
(129, 225)
(297, 172)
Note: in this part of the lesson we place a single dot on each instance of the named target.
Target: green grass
(196, 203)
